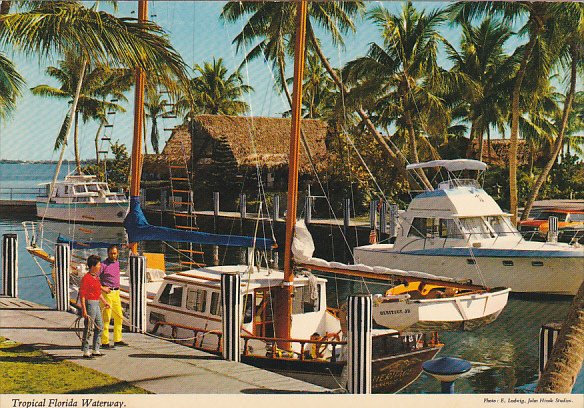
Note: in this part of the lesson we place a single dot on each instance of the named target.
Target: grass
(25, 370)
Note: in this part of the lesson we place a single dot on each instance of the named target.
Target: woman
(90, 295)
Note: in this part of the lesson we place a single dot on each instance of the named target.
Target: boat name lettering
(390, 312)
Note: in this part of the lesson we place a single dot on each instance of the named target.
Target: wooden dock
(156, 365)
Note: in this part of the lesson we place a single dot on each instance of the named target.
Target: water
(504, 354)
(23, 177)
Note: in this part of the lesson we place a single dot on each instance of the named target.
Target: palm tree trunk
(68, 130)
(471, 137)
(515, 126)
(559, 142)
(97, 142)
(489, 144)
(76, 143)
(567, 355)
(414, 145)
(144, 132)
(399, 165)
(481, 136)
(283, 79)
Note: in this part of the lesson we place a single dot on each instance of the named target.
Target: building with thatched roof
(213, 142)
(496, 152)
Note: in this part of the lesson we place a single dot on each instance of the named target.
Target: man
(110, 285)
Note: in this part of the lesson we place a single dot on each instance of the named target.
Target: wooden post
(242, 207)
(547, 338)
(346, 223)
(360, 343)
(62, 267)
(383, 219)
(215, 219)
(138, 322)
(10, 265)
(231, 321)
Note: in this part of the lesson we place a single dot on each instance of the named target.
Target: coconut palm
(155, 107)
(10, 84)
(90, 100)
(574, 58)
(214, 91)
(541, 18)
(401, 79)
(482, 61)
(273, 24)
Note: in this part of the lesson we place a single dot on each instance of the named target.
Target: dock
(156, 365)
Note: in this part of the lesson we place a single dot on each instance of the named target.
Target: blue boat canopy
(138, 229)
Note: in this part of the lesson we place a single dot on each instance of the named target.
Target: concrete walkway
(156, 365)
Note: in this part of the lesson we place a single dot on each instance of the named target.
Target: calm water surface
(504, 354)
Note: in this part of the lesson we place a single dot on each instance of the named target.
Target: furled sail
(138, 229)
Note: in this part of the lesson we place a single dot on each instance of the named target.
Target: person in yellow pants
(110, 286)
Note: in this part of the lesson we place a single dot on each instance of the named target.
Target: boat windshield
(501, 225)
(92, 188)
(476, 227)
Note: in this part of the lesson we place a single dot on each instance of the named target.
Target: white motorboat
(82, 199)
(457, 230)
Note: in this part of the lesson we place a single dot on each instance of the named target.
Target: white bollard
(138, 294)
(231, 321)
(62, 267)
(552, 235)
(360, 323)
(10, 265)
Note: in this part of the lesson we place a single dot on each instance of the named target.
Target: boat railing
(458, 182)
(21, 193)
(197, 339)
(273, 351)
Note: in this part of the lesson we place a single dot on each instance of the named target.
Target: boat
(415, 301)
(82, 199)
(457, 230)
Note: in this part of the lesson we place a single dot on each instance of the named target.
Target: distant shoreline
(8, 161)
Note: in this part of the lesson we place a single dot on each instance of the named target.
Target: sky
(197, 33)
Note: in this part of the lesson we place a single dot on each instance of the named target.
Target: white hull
(466, 312)
(561, 275)
(105, 213)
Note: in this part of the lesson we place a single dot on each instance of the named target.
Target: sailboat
(286, 324)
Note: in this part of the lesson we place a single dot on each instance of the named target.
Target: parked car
(570, 223)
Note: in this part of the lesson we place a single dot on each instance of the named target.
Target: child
(90, 295)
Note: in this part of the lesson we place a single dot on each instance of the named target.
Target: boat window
(248, 308)
(80, 188)
(306, 299)
(544, 215)
(196, 299)
(501, 225)
(92, 188)
(172, 295)
(449, 229)
(81, 200)
(215, 306)
(476, 227)
(507, 263)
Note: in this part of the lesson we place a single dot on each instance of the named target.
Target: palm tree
(273, 24)
(10, 84)
(401, 80)
(155, 107)
(574, 58)
(482, 61)
(214, 91)
(62, 26)
(90, 102)
(541, 17)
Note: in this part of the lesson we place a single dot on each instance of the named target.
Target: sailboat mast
(138, 121)
(283, 330)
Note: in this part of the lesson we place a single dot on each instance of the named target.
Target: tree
(575, 60)
(541, 17)
(90, 102)
(155, 107)
(10, 84)
(486, 72)
(214, 91)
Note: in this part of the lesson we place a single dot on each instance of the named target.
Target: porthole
(507, 263)
(471, 261)
(536, 263)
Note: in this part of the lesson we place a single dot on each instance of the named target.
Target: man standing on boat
(110, 285)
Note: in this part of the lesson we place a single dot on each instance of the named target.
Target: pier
(153, 364)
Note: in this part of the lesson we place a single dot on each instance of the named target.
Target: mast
(285, 296)
(138, 121)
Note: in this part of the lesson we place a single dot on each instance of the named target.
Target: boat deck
(164, 367)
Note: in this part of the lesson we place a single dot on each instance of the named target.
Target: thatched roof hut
(499, 152)
(252, 140)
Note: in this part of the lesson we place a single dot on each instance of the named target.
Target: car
(570, 223)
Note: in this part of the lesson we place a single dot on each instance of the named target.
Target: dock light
(446, 370)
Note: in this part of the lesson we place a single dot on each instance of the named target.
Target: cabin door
(263, 322)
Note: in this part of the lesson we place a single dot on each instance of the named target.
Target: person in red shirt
(90, 295)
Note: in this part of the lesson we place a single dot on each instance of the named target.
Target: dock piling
(547, 338)
(383, 218)
(231, 304)
(138, 294)
(62, 266)
(360, 322)
(10, 265)
(393, 217)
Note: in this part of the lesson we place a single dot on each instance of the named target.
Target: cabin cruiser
(82, 199)
(457, 230)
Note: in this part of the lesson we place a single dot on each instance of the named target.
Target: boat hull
(525, 274)
(90, 213)
(467, 312)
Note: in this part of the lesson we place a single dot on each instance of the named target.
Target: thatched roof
(252, 140)
(499, 154)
